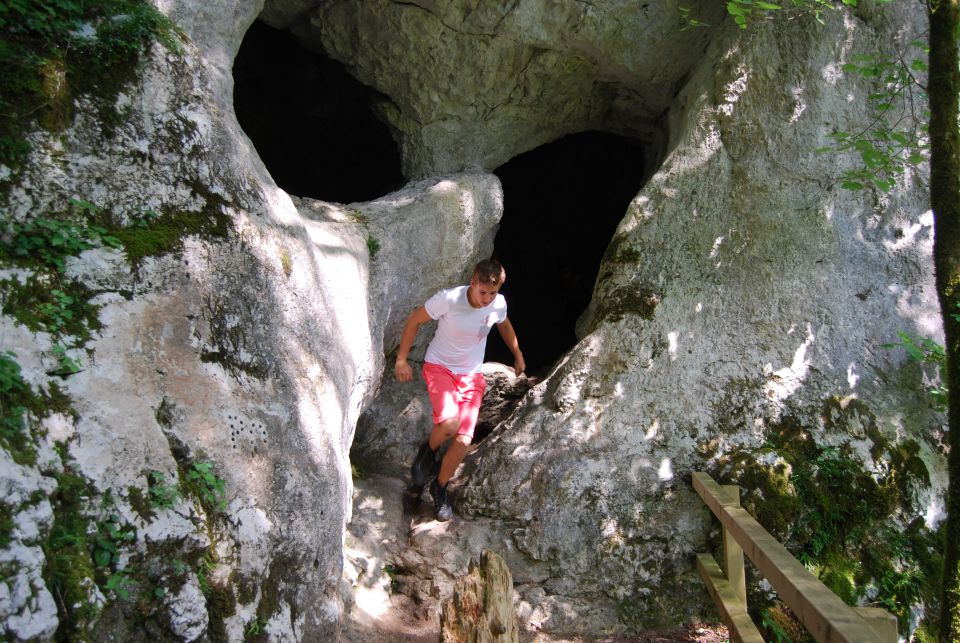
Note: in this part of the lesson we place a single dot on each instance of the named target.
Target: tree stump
(481, 608)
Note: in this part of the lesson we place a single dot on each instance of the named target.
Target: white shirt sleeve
(437, 305)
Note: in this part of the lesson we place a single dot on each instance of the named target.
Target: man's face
(480, 294)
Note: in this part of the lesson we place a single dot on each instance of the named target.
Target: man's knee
(463, 440)
(449, 427)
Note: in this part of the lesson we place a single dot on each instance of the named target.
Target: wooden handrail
(828, 618)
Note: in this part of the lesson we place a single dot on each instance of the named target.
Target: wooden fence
(828, 618)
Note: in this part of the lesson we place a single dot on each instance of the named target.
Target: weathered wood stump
(481, 608)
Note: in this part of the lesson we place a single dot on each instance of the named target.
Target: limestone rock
(481, 608)
(188, 614)
(472, 85)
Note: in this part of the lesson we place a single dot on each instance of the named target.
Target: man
(451, 369)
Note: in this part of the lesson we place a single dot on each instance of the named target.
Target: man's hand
(416, 319)
(519, 366)
(403, 371)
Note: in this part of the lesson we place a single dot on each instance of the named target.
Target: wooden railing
(821, 611)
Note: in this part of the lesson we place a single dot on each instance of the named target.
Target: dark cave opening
(315, 129)
(311, 122)
(562, 204)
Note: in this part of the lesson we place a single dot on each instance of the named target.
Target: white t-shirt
(462, 330)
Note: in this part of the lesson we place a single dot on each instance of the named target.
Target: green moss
(228, 337)
(140, 504)
(271, 590)
(7, 524)
(16, 400)
(166, 233)
(246, 589)
(620, 252)
(221, 604)
(837, 518)
(638, 301)
(69, 571)
(165, 414)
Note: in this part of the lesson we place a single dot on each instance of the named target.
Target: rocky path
(400, 562)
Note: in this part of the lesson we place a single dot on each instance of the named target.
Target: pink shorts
(454, 396)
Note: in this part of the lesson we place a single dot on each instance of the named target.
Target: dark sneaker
(425, 466)
(441, 503)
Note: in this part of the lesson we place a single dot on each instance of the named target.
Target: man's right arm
(416, 319)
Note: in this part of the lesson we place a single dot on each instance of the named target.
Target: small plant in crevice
(206, 486)
(204, 567)
(254, 627)
(373, 247)
(161, 494)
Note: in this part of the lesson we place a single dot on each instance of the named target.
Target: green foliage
(770, 621)
(254, 627)
(20, 405)
(14, 392)
(207, 486)
(65, 365)
(47, 301)
(52, 50)
(744, 12)
(51, 241)
(111, 535)
(839, 518)
(926, 351)
(161, 493)
(119, 583)
(897, 136)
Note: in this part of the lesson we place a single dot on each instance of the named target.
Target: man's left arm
(510, 339)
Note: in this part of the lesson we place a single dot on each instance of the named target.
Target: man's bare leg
(452, 459)
(443, 432)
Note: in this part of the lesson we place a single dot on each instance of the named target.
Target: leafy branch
(892, 142)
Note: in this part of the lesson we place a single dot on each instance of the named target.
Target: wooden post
(732, 552)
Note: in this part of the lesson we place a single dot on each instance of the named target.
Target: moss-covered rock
(842, 517)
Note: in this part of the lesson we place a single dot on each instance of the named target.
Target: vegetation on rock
(851, 527)
(52, 51)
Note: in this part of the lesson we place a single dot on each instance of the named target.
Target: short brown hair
(490, 272)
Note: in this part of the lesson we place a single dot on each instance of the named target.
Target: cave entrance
(311, 122)
(562, 203)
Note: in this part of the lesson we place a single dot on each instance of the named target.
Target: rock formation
(204, 430)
